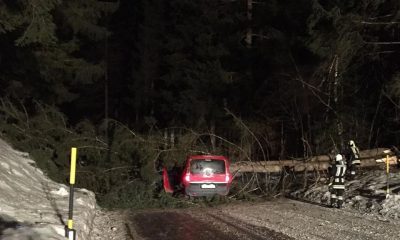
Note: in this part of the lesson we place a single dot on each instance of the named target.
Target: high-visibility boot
(340, 202)
(333, 200)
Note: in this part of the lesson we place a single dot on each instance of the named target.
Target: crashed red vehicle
(202, 175)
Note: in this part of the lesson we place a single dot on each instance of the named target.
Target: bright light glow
(208, 172)
(187, 178)
(227, 178)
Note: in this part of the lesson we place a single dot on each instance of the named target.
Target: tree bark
(249, 34)
(212, 136)
(322, 162)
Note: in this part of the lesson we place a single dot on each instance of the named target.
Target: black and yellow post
(69, 231)
(387, 176)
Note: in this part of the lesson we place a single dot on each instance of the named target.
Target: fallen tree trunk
(368, 159)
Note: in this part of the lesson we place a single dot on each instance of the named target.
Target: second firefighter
(337, 173)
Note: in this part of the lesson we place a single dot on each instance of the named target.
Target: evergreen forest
(139, 84)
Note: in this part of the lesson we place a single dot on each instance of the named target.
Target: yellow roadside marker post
(70, 233)
(387, 176)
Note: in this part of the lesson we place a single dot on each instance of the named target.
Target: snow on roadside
(391, 207)
(366, 193)
(34, 207)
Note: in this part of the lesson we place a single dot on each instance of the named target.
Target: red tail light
(187, 177)
(227, 178)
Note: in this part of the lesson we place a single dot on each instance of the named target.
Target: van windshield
(207, 165)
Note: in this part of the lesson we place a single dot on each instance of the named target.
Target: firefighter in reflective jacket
(337, 173)
(396, 152)
(353, 158)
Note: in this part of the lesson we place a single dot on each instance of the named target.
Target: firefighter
(337, 186)
(353, 158)
(396, 152)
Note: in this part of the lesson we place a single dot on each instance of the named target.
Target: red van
(205, 175)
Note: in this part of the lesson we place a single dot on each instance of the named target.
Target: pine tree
(355, 36)
(194, 81)
(52, 46)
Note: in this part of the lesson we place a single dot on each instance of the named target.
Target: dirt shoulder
(111, 225)
(308, 221)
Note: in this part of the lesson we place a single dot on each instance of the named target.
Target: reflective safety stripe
(356, 161)
(338, 186)
(339, 180)
(340, 170)
(353, 172)
(340, 197)
(333, 196)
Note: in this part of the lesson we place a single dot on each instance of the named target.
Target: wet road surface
(196, 225)
(279, 219)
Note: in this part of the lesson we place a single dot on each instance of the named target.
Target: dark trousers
(353, 170)
(337, 197)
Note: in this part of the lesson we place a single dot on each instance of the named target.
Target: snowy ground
(34, 207)
(365, 194)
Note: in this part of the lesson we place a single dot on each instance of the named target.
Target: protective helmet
(339, 158)
(351, 143)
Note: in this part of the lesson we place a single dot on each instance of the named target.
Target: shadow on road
(4, 224)
(326, 205)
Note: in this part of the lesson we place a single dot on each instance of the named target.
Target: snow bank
(391, 207)
(367, 193)
(34, 207)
